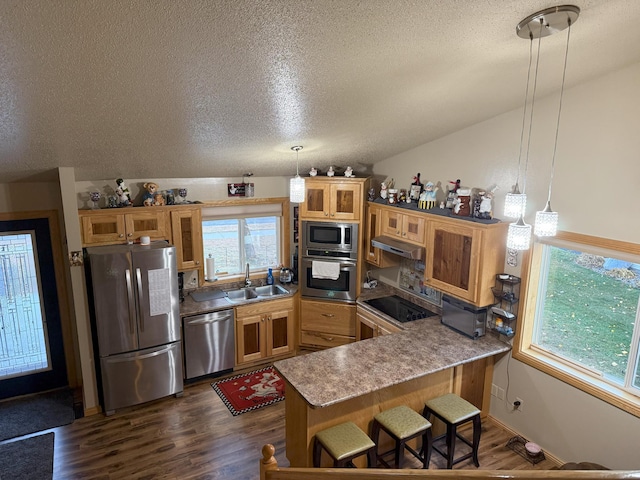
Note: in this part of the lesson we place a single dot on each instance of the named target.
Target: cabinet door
(453, 257)
(149, 223)
(316, 204)
(391, 223)
(345, 201)
(372, 228)
(413, 228)
(186, 226)
(251, 341)
(102, 229)
(280, 332)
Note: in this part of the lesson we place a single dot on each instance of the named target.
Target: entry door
(31, 346)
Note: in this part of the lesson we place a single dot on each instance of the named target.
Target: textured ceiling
(165, 89)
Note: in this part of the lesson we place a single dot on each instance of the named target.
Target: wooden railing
(269, 470)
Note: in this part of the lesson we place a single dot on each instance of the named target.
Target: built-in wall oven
(328, 266)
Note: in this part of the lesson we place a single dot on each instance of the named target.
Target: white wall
(595, 191)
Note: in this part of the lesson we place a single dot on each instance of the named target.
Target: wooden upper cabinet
(403, 225)
(186, 227)
(331, 199)
(106, 227)
(463, 258)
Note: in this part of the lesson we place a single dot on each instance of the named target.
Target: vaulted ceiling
(218, 88)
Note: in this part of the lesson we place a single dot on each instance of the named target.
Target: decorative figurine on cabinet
(486, 198)
(158, 200)
(330, 172)
(149, 197)
(313, 172)
(383, 190)
(428, 196)
(122, 191)
(416, 188)
(348, 172)
(371, 195)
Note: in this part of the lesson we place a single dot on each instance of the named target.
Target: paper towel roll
(210, 269)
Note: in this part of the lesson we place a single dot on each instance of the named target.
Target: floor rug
(28, 459)
(35, 413)
(250, 391)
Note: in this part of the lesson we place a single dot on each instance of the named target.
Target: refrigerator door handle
(140, 297)
(204, 321)
(132, 316)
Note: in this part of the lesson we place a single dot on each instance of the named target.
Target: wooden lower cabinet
(326, 324)
(369, 326)
(264, 330)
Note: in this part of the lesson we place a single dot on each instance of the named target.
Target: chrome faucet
(247, 280)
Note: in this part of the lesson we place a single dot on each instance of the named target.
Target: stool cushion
(402, 421)
(452, 408)
(344, 440)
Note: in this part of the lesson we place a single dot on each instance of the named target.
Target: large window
(235, 236)
(582, 315)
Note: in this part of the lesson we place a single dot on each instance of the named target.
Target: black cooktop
(398, 308)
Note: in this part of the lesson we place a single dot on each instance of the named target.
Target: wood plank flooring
(196, 437)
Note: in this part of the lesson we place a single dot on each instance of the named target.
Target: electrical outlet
(500, 393)
(494, 390)
(518, 404)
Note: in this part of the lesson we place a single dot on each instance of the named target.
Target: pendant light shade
(515, 203)
(519, 235)
(546, 222)
(296, 184)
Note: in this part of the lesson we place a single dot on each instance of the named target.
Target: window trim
(246, 204)
(524, 352)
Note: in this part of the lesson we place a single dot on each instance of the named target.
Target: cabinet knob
(121, 235)
(333, 214)
(326, 214)
(130, 235)
(197, 262)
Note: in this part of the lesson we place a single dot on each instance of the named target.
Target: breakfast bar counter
(356, 381)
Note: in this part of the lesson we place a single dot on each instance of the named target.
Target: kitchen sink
(251, 293)
(270, 290)
(241, 294)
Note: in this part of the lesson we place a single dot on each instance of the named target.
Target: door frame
(61, 277)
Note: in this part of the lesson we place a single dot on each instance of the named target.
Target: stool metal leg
(451, 444)
(426, 448)
(477, 427)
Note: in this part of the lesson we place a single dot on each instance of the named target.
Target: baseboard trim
(549, 456)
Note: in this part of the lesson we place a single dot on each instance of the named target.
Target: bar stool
(402, 424)
(343, 443)
(455, 411)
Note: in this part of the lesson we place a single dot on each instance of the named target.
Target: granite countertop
(424, 347)
(192, 307)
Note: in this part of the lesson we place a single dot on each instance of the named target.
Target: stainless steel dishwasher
(209, 343)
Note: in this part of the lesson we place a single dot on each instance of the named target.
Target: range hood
(392, 245)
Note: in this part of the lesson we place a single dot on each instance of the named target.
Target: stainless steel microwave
(330, 239)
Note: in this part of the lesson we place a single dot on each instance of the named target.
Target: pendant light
(516, 202)
(519, 233)
(546, 224)
(296, 184)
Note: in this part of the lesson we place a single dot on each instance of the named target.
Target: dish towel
(328, 270)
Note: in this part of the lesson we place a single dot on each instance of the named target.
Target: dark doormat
(28, 459)
(35, 413)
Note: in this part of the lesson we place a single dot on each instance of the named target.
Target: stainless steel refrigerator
(137, 322)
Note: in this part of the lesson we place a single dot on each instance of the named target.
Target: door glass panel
(23, 345)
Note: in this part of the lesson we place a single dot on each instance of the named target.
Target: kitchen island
(356, 381)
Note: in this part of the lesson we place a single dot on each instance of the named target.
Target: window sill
(605, 391)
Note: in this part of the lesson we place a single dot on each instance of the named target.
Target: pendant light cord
(533, 99)
(524, 112)
(564, 73)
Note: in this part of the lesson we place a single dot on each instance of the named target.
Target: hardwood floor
(195, 437)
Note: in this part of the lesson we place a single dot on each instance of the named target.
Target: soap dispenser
(270, 277)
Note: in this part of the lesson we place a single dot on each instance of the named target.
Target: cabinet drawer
(327, 317)
(323, 339)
